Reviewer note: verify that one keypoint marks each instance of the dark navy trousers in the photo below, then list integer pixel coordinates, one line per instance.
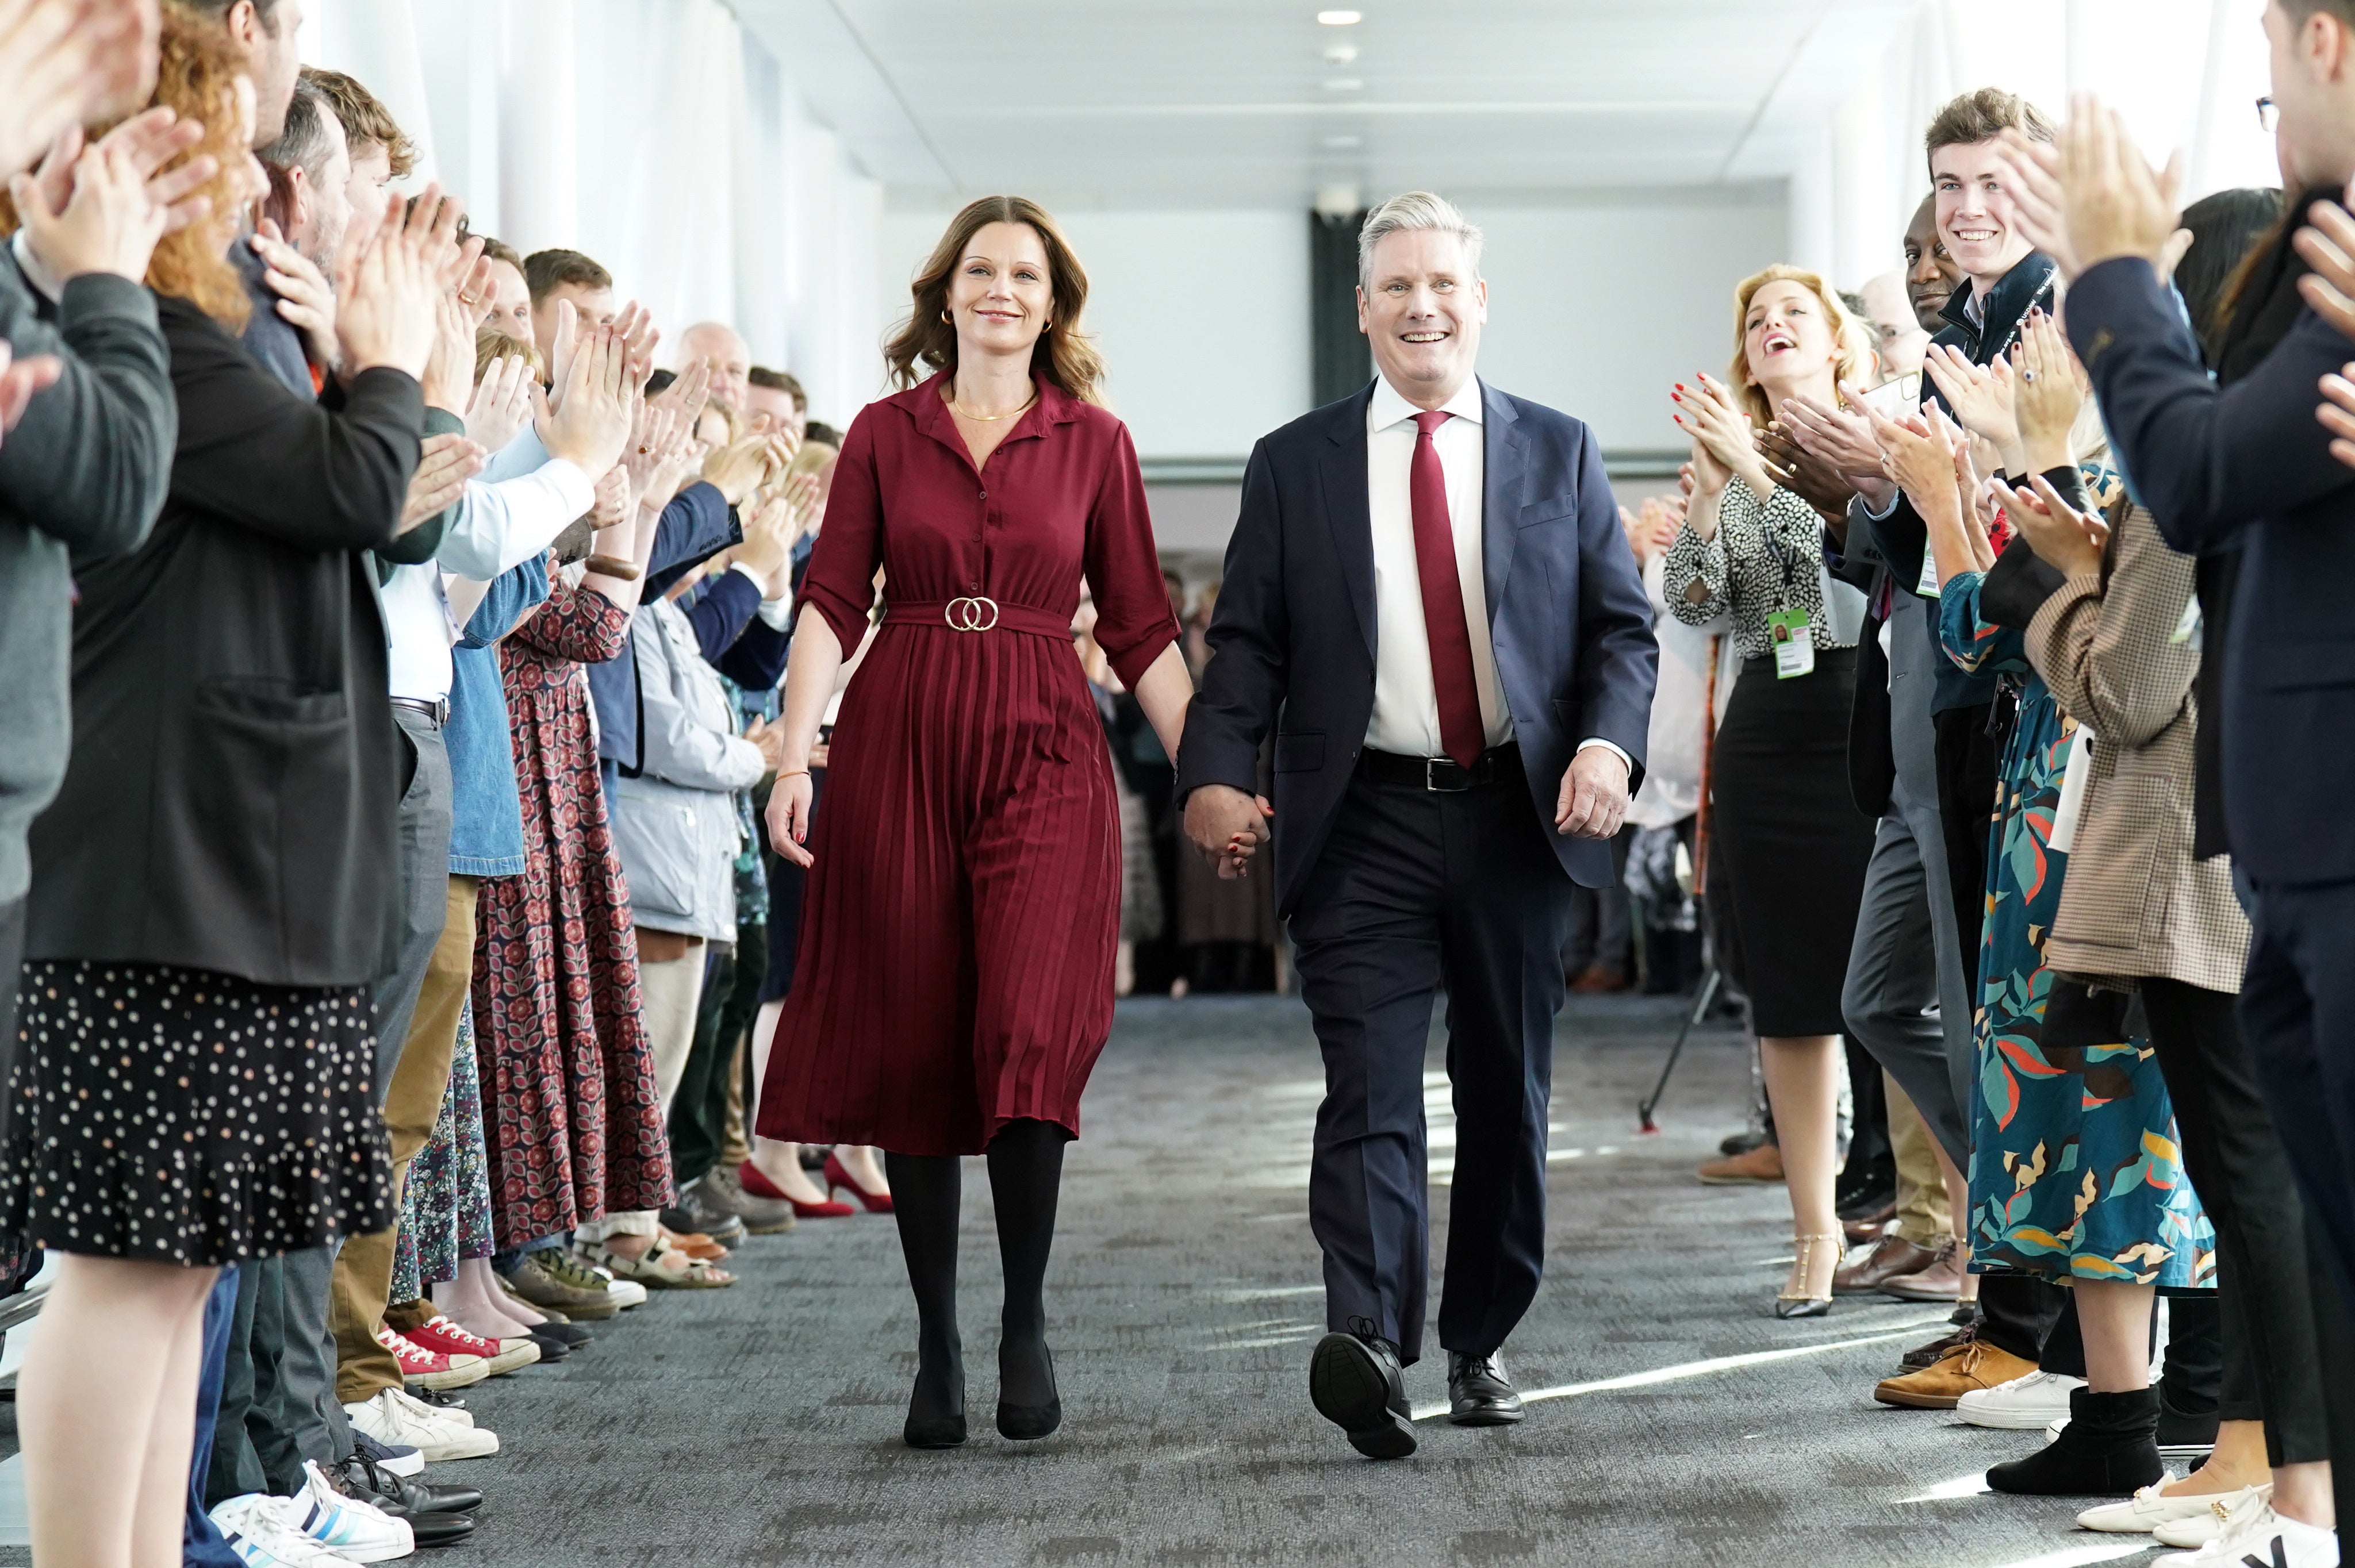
(1415, 892)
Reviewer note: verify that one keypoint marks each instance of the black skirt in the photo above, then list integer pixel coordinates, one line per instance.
(177, 1116)
(1795, 847)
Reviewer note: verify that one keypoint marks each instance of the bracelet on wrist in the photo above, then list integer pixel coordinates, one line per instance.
(613, 567)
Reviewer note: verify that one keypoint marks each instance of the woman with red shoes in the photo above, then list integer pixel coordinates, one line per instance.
(963, 906)
(873, 1193)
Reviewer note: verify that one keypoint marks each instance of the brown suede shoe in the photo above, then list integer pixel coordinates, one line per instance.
(1892, 1257)
(1940, 1279)
(1760, 1167)
(1939, 1387)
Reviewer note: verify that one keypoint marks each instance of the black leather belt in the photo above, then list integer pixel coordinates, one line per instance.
(1441, 774)
(438, 712)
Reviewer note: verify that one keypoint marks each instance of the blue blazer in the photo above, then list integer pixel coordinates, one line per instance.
(2247, 464)
(1291, 642)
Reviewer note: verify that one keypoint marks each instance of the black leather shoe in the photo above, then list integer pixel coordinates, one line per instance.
(1479, 1391)
(1358, 1384)
(551, 1349)
(373, 1483)
(1028, 1422)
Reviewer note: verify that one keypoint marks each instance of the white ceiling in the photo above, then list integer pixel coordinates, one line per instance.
(1232, 103)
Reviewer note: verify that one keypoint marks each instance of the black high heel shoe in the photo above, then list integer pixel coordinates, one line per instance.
(1026, 1423)
(931, 1427)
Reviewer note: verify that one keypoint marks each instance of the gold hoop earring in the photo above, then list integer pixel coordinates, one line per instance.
(944, 319)
(1048, 327)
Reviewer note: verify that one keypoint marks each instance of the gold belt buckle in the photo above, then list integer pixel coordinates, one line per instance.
(972, 613)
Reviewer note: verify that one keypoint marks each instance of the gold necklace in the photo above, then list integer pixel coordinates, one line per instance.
(990, 419)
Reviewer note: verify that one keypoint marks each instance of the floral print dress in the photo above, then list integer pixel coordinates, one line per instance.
(2075, 1170)
(445, 1208)
(572, 1127)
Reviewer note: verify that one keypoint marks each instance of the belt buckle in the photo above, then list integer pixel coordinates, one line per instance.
(1431, 784)
(972, 613)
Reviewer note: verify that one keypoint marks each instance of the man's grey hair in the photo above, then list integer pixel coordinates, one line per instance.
(305, 144)
(1415, 209)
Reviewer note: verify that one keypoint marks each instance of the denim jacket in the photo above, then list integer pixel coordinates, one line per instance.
(486, 813)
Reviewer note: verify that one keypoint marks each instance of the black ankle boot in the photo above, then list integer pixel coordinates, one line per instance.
(936, 1409)
(2108, 1450)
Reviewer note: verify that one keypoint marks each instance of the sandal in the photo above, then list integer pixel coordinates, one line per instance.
(1803, 1303)
(695, 1244)
(664, 1267)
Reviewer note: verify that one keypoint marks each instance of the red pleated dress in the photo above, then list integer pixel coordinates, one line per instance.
(959, 927)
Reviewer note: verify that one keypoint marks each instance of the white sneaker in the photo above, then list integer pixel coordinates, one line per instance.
(260, 1538)
(2262, 1537)
(345, 1525)
(425, 1410)
(2146, 1511)
(392, 1416)
(2023, 1404)
(2223, 1512)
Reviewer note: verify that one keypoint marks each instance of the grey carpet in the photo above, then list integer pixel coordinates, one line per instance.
(759, 1425)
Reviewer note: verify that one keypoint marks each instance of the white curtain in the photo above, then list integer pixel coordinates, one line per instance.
(657, 137)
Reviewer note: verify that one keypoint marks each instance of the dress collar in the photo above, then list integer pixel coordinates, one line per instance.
(1388, 408)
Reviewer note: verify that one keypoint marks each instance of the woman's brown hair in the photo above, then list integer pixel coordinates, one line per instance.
(1069, 361)
(198, 79)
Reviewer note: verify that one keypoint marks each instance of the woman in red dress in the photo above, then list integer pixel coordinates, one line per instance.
(956, 984)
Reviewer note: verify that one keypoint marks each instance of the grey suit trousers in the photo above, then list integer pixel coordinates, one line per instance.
(1906, 1000)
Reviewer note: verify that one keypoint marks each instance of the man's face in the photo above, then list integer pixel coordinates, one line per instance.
(730, 358)
(1931, 275)
(1421, 309)
(1966, 183)
(326, 202)
(368, 191)
(768, 411)
(594, 307)
(510, 303)
(2310, 61)
(269, 46)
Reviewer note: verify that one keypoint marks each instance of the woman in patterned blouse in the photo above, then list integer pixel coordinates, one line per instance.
(1796, 847)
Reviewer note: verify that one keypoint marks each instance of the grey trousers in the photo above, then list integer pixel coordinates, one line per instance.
(278, 1380)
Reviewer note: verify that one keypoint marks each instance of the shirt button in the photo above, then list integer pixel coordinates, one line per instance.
(985, 495)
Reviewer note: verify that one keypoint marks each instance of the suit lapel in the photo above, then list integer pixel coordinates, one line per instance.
(1503, 464)
(1347, 512)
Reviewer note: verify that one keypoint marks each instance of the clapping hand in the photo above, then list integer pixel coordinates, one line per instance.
(2327, 244)
(388, 314)
(306, 301)
(1982, 400)
(1919, 455)
(2337, 412)
(501, 405)
(767, 551)
(448, 461)
(739, 469)
(2064, 538)
(21, 380)
(2090, 196)
(590, 425)
(1810, 478)
(47, 48)
(1711, 415)
(2051, 389)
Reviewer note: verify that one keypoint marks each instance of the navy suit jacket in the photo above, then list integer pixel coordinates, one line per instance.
(1292, 644)
(2247, 464)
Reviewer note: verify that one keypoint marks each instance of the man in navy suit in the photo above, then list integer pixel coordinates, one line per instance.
(1430, 602)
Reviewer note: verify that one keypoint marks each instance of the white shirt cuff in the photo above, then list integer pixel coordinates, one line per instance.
(777, 614)
(1625, 760)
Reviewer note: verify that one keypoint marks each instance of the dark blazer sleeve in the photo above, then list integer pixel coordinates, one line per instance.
(1618, 660)
(91, 461)
(253, 453)
(696, 525)
(2207, 461)
(722, 611)
(1251, 646)
(418, 544)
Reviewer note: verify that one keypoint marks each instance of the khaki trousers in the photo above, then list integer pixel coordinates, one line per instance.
(1923, 1215)
(412, 1103)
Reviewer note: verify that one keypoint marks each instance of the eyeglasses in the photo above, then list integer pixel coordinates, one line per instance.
(2268, 114)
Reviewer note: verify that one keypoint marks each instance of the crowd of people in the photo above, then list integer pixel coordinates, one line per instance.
(423, 942)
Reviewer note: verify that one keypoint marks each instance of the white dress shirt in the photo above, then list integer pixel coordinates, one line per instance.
(1406, 697)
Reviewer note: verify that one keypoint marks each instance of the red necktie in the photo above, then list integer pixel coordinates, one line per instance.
(1461, 733)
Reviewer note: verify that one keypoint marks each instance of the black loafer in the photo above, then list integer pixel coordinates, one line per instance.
(1358, 1384)
(1479, 1391)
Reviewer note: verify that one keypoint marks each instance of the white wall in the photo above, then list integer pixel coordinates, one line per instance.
(1202, 317)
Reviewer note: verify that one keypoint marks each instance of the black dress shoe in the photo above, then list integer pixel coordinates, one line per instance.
(1479, 1391)
(1358, 1384)
(372, 1483)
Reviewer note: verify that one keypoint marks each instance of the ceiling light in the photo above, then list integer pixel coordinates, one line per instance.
(1343, 143)
(1341, 54)
(1340, 18)
(1343, 84)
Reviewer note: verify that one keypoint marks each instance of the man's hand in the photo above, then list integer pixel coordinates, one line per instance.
(738, 470)
(501, 405)
(449, 373)
(2337, 412)
(110, 225)
(2113, 203)
(2064, 538)
(1808, 476)
(306, 299)
(591, 425)
(1594, 795)
(1227, 827)
(387, 315)
(441, 478)
(19, 382)
(47, 51)
(2328, 245)
(767, 552)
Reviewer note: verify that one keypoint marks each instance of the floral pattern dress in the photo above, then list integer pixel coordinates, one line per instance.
(2075, 1169)
(572, 1127)
(445, 1208)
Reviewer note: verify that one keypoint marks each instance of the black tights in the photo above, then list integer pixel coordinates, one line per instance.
(1026, 1174)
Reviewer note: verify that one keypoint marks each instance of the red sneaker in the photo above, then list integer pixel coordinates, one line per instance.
(422, 1368)
(439, 1333)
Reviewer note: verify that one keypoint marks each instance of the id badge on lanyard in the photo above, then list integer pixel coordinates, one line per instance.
(1794, 636)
